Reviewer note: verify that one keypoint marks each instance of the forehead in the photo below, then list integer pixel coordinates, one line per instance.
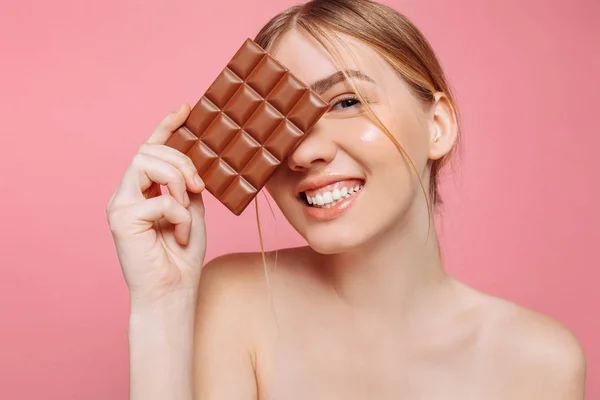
(306, 58)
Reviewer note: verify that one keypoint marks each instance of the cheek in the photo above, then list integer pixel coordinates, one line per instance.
(379, 150)
(390, 176)
(368, 144)
(370, 134)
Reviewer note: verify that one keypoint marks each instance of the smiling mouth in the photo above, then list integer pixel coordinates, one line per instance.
(331, 197)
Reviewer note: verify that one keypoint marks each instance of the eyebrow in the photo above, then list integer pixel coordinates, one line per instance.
(322, 85)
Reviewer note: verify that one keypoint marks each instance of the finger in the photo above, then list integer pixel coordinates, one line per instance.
(196, 209)
(196, 206)
(169, 124)
(179, 160)
(144, 171)
(167, 207)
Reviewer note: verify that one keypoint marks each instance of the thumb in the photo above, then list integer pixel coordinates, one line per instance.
(169, 124)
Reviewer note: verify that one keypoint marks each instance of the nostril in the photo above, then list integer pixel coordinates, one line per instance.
(296, 167)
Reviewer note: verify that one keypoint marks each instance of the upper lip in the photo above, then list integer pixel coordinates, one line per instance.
(320, 181)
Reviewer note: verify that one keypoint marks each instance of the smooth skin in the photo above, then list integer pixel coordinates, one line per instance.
(364, 311)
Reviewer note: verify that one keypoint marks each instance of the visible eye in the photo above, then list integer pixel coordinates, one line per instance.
(346, 103)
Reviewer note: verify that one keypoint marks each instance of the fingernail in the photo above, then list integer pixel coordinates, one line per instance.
(197, 180)
(177, 109)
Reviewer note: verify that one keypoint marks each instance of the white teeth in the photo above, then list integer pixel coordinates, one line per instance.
(329, 199)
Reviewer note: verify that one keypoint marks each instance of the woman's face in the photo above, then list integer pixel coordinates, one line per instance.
(361, 183)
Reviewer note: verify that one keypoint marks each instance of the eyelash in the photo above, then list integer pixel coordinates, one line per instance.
(346, 98)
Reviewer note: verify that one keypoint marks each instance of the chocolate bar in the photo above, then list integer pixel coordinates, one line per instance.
(247, 122)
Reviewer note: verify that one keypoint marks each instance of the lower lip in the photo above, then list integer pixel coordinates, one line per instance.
(327, 214)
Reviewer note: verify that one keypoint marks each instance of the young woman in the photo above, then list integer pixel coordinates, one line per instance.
(366, 310)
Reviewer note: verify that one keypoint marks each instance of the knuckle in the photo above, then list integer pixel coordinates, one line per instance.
(168, 201)
(179, 158)
(187, 170)
(114, 217)
(138, 160)
(112, 205)
(144, 148)
(109, 208)
(109, 203)
(180, 161)
(175, 177)
(187, 217)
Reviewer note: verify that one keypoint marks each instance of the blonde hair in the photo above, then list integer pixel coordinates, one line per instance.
(393, 36)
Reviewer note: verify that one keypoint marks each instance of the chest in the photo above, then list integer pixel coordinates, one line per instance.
(339, 368)
(318, 365)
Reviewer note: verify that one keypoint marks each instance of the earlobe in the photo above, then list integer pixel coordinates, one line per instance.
(444, 124)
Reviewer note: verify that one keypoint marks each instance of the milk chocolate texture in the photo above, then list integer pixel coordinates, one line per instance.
(246, 123)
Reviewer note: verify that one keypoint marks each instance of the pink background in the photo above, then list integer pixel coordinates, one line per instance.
(83, 83)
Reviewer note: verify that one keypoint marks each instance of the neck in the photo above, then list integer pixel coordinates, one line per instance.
(397, 273)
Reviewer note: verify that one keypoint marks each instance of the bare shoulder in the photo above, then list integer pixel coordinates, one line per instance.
(242, 281)
(538, 337)
(240, 272)
(232, 304)
(245, 270)
(230, 272)
(537, 350)
(233, 280)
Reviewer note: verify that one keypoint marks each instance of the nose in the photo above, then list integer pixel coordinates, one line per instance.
(315, 148)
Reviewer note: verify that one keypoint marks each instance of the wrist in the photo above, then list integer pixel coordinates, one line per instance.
(161, 338)
(173, 308)
(162, 300)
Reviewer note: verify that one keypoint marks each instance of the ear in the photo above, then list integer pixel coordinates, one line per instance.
(444, 127)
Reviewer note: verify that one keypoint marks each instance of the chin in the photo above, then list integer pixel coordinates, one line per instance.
(335, 240)
(330, 247)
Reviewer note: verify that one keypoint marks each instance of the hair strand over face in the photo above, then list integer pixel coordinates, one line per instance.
(389, 33)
